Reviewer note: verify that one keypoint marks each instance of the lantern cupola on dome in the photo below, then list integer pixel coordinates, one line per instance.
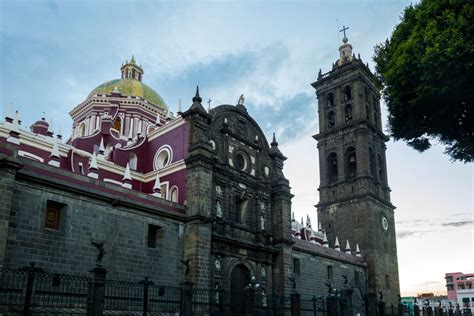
(130, 70)
(130, 84)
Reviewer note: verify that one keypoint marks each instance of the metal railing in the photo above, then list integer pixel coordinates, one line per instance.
(30, 289)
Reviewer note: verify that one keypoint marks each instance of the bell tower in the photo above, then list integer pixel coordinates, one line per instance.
(354, 193)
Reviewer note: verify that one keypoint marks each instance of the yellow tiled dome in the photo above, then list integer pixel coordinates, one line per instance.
(131, 87)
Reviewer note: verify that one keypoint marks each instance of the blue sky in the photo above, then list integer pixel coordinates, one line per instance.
(53, 53)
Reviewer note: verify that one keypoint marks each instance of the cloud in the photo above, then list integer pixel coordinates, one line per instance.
(259, 75)
(406, 234)
(458, 224)
(418, 227)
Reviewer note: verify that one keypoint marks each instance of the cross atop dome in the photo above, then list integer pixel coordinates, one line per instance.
(130, 70)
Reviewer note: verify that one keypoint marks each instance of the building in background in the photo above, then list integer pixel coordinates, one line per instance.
(456, 281)
(460, 289)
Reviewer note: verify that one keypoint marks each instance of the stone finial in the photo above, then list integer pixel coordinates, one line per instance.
(297, 229)
(14, 134)
(50, 131)
(93, 163)
(197, 98)
(157, 186)
(127, 174)
(302, 222)
(325, 241)
(9, 113)
(274, 143)
(93, 167)
(17, 120)
(101, 147)
(358, 254)
(348, 247)
(292, 216)
(55, 150)
(179, 107)
(59, 134)
(241, 100)
(127, 177)
(308, 221)
(54, 156)
(336, 244)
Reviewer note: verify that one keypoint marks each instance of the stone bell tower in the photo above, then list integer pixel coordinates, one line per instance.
(354, 193)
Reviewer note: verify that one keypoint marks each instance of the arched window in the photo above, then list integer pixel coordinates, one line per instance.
(133, 161)
(174, 194)
(351, 163)
(81, 130)
(163, 157)
(330, 100)
(118, 124)
(368, 110)
(332, 167)
(347, 93)
(375, 108)
(381, 165)
(348, 112)
(372, 162)
(331, 119)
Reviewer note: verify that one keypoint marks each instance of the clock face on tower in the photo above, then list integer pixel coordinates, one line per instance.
(384, 223)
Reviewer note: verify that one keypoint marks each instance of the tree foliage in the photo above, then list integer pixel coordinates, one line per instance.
(426, 68)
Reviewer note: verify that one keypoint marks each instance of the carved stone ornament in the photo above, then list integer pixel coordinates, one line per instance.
(217, 264)
(218, 209)
(218, 190)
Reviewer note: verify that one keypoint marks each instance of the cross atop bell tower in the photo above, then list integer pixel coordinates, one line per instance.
(344, 28)
(354, 194)
(345, 50)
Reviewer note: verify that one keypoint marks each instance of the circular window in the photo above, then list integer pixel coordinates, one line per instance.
(384, 223)
(163, 157)
(240, 161)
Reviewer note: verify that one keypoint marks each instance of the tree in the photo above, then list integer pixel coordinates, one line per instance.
(426, 68)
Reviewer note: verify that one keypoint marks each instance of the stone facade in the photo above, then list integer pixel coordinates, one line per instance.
(354, 194)
(214, 209)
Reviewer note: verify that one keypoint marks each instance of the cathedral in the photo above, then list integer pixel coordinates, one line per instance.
(201, 196)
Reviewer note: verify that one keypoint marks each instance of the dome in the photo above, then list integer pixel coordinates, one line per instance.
(131, 87)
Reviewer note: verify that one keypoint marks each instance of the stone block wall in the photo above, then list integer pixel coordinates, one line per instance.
(85, 218)
(313, 275)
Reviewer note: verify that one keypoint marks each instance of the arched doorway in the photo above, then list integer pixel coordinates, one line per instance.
(239, 279)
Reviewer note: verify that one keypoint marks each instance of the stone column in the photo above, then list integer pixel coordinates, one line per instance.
(199, 181)
(96, 295)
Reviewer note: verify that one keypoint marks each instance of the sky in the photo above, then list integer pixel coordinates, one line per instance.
(53, 53)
